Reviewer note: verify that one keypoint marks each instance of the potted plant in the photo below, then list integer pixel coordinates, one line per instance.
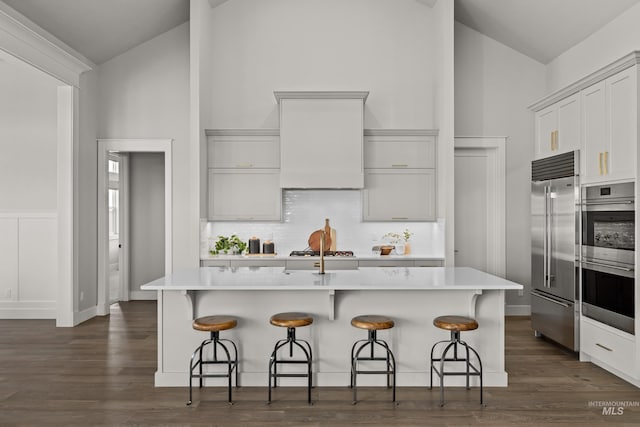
(400, 241)
(228, 245)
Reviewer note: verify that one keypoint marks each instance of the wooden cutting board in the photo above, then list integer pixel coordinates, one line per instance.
(332, 233)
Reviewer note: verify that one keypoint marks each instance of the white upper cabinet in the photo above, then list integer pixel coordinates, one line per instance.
(321, 136)
(243, 175)
(610, 133)
(400, 175)
(243, 149)
(558, 127)
(399, 151)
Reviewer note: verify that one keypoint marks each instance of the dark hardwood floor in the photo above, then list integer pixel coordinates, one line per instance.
(101, 373)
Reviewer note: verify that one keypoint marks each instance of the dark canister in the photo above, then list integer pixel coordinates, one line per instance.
(268, 247)
(254, 245)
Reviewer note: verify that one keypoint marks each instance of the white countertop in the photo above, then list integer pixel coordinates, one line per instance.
(357, 256)
(364, 278)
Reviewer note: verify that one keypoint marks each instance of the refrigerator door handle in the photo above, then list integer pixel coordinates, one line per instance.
(548, 235)
(545, 255)
(555, 301)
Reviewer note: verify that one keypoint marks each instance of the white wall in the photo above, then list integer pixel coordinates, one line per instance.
(493, 86)
(618, 38)
(146, 220)
(382, 46)
(144, 93)
(28, 102)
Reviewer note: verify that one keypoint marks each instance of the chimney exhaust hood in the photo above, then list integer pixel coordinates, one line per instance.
(321, 139)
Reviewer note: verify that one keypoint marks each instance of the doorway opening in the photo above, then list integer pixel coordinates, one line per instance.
(480, 204)
(134, 218)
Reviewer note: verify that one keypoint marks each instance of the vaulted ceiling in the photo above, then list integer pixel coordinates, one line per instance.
(103, 29)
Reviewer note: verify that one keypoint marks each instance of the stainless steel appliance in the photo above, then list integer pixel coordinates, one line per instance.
(555, 231)
(608, 254)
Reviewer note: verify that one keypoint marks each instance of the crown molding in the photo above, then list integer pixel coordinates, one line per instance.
(615, 67)
(320, 95)
(21, 38)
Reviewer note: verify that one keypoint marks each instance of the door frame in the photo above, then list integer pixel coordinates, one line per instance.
(496, 245)
(129, 146)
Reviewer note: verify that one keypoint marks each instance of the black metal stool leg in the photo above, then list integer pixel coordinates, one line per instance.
(273, 361)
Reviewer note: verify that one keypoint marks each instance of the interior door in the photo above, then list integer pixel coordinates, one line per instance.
(479, 202)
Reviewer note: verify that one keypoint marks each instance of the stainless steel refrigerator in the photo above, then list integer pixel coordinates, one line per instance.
(555, 222)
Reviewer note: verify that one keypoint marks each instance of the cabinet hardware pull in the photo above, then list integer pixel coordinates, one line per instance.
(615, 267)
(399, 217)
(602, 346)
(399, 166)
(600, 164)
(606, 160)
(555, 139)
(244, 165)
(551, 141)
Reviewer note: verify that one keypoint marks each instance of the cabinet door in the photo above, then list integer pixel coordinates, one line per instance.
(399, 152)
(237, 151)
(546, 125)
(568, 131)
(594, 132)
(399, 195)
(244, 195)
(622, 109)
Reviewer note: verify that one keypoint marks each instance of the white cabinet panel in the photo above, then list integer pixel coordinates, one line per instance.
(609, 123)
(38, 259)
(622, 101)
(244, 195)
(594, 131)
(9, 256)
(321, 143)
(610, 347)
(399, 152)
(242, 151)
(558, 127)
(399, 195)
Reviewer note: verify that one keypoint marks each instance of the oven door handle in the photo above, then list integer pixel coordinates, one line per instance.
(615, 267)
(607, 202)
(539, 295)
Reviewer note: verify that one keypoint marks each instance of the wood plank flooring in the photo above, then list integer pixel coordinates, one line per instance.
(101, 373)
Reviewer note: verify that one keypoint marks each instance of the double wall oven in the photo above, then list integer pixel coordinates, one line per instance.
(608, 254)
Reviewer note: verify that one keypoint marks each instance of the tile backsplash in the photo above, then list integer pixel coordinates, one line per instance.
(304, 211)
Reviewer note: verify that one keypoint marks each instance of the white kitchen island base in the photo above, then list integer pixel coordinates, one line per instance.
(413, 297)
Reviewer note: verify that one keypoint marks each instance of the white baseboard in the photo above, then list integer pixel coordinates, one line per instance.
(143, 295)
(517, 310)
(28, 310)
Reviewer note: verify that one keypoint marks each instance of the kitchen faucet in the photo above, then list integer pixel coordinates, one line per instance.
(321, 263)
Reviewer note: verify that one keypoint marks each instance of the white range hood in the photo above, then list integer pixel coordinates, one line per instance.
(321, 139)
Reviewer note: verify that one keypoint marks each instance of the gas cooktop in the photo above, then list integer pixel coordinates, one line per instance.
(317, 253)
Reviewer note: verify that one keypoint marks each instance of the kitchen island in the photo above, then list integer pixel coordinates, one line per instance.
(412, 296)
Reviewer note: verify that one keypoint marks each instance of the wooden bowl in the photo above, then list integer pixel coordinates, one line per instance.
(386, 250)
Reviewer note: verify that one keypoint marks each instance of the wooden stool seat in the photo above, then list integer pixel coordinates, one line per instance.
(291, 320)
(214, 323)
(372, 322)
(455, 323)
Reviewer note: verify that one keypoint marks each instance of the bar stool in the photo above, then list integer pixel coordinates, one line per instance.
(372, 323)
(291, 321)
(455, 324)
(213, 324)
